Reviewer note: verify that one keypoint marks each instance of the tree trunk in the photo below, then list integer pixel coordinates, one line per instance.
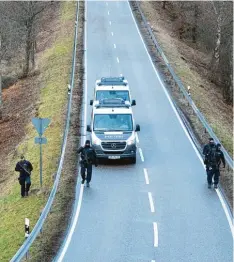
(27, 50)
(164, 5)
(194, 29)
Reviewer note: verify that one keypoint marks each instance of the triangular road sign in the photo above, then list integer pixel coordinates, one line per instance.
(41, 124)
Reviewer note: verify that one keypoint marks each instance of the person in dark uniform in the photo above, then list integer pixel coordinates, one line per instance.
(206, 150)
(88, 158)
(214, 159)
(24, 167)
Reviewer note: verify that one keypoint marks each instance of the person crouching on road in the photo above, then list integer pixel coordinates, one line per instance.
(214, 160)
(206, 151)
(25, 168)
(88, 158)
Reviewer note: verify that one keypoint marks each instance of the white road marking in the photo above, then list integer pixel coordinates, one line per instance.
(226, 210)
(114, 45)
(151, 202)
(146, 176)
(117, 59)
(152, 260)
(155, 234)
(76, 217)
(68, 240)
(141, 155)
(110, 22)
(137, 138)
(121, 74)
(106, 3)
(112, 33)
(108, 13)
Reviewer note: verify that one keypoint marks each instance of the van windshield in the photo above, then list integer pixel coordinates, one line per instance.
(113, 122)
(109, 94)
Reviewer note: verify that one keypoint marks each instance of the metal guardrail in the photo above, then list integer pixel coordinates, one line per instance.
(22, 252)
(202, 119)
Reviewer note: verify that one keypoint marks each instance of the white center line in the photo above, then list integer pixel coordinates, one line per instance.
(110, 22)
(151, 202)
(152, 260)
(117, 60)
(106, 3)
(146, 176)
(114, 45)
(108, 13)
(137, 138)
(141, 155)
(155, 234)
(112, 33)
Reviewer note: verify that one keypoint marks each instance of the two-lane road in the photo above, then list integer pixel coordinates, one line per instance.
(159, 209)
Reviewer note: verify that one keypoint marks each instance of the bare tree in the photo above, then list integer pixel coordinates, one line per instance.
(24, 15)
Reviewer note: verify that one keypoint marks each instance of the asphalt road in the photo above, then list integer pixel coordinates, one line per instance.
(159, 209)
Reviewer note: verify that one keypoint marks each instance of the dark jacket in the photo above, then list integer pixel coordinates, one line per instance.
(24, 167)
(82, 150)
(206, 151)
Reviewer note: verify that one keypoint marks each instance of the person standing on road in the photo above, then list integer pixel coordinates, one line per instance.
(214, 159)
(206, 151)
(24, 167)
(88, 158)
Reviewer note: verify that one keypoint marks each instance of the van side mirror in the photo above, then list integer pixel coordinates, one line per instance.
(138, 128)
(91, 102)
(88, 128)
(133, 102)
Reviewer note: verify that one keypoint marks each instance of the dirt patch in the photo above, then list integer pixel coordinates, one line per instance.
(185, 60)
(47, 245)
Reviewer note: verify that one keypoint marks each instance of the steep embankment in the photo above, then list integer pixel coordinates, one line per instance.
(41, 95)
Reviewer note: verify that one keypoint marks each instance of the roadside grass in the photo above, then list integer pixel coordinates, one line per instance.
(54, 64)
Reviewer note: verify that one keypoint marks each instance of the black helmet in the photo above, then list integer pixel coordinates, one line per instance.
(211, 140)
(87, 143)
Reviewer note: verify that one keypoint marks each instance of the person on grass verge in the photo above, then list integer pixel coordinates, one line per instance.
(88, 158)
(24, 167)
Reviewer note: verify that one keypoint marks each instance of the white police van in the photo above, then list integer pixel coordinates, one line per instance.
(112, 87)
(113, 130)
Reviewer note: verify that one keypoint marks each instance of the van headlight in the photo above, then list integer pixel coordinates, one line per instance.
(131, 142)
(96, 141)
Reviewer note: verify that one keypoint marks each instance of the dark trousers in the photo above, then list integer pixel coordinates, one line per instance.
(213, 172)
(25, 184)
(89, 169)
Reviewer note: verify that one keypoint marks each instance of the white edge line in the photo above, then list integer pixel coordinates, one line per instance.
(146, 176)
(186, 132)
(155, 234)
(117, 59)
(141, 155)
(114, 45)
(137, 138)
(108, 13)
(69, 237)
(151, 202)
(110, 22)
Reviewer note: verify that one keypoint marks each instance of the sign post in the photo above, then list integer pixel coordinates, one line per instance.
(40, 124)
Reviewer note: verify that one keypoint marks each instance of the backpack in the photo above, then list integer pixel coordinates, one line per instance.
(211, 158)
(88, 155)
